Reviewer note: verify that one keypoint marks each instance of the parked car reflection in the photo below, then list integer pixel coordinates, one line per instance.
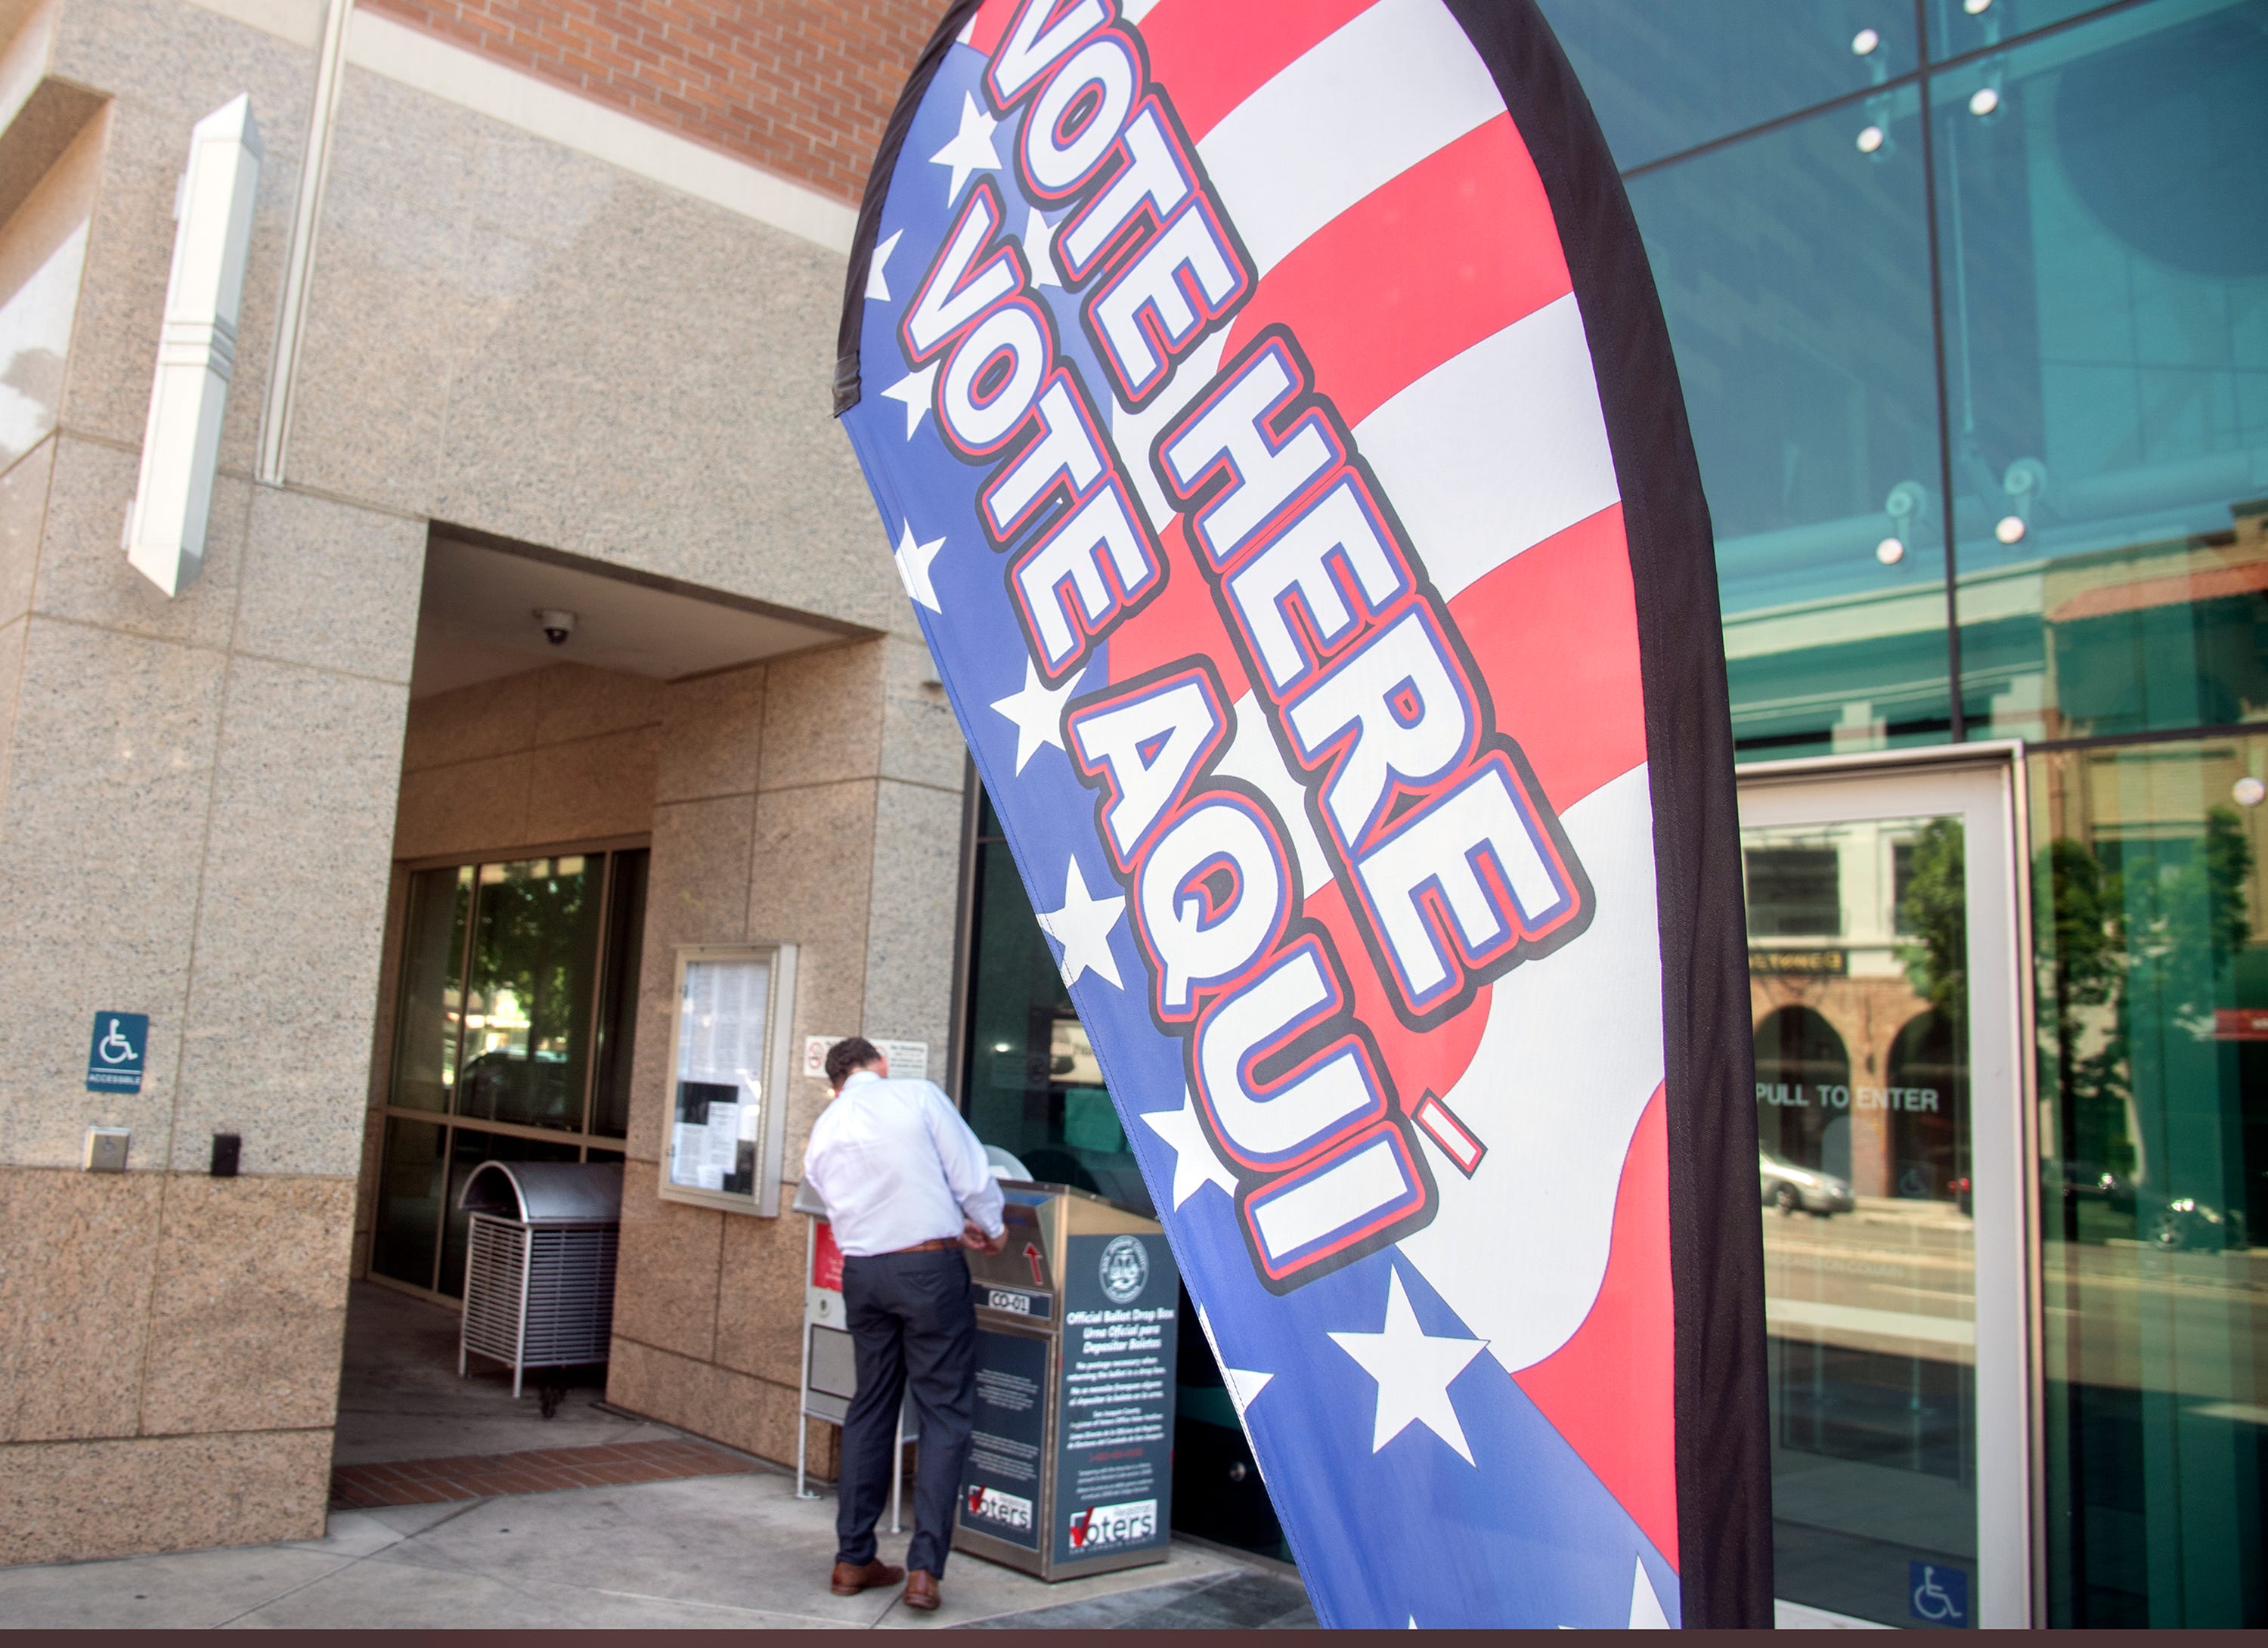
(506, 1084)
(1790, 1187)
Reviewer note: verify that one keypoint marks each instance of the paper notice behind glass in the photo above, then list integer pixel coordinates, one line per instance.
(720, 1047)
(721, 1031)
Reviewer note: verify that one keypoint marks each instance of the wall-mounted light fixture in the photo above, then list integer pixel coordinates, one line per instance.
(196, 349)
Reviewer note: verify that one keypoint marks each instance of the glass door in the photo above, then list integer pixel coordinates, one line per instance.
(513, 1019)
(1884, 927)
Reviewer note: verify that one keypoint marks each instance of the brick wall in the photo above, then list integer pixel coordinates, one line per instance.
(799, 87)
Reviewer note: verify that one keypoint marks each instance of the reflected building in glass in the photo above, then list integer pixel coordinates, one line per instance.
(1970, 299)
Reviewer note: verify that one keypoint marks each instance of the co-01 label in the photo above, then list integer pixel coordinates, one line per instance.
(1015, 1301)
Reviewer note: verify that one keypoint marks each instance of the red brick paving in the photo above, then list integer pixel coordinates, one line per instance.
(537, 1470)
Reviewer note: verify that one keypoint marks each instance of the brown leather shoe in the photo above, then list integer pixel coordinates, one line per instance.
(921, 1591)
(850, 1579)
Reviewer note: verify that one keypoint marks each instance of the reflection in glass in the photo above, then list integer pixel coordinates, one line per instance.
(515, 1049)
(1863, 1121)
(2104, 228)
(2150, 914)
(1957, 28)
(1662, 78)
(427, 1012)
(1033, 1087)
(529, 1016)
(610, 1087)
(408, 1222)
(1793, 268)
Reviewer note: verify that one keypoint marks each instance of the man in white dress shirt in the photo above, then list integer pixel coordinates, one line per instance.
(906, 1187)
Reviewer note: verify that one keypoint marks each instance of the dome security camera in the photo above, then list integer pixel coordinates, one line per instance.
(557, 624)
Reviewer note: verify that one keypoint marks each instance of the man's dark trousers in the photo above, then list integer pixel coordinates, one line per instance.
(911, 1325)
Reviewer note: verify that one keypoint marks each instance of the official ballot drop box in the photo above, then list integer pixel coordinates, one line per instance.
(1071, 1469)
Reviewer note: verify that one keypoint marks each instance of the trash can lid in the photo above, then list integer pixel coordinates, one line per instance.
(545, 1193)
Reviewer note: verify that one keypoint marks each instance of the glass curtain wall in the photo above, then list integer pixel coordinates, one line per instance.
(512, 1025)
(2151, 941)
(1970, 299)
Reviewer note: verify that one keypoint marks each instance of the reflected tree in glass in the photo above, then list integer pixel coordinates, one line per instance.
(534, 956)
(428, 1012)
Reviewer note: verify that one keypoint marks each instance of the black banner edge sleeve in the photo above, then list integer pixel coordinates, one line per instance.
(1724, 1465)
(878, 188)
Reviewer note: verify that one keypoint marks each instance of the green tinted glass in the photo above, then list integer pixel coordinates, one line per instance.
(528, 1022)
(2102, 221)
(1793, 270)
(2151, 939)
(428, 1012)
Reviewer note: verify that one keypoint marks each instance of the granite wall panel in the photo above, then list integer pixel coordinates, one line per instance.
(249, 1306)
(76, 1267)
(77, 1501)
(669, 1268)
(23, 514)
(167, 66)
(290, 920)
(104, 824)
(490, 313)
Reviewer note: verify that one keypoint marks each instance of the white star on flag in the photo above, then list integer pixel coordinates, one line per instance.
(1413, 1371)
(1244, 1385)
(1082, 927)
(971, 149)
(913, 561)
(914, 390)
(877, 290)
(1036, 709)
(1195, 1164)
(1039, 249)
(1646, 1607)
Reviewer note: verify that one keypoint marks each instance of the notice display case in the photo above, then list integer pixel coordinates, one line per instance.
(729, 1074)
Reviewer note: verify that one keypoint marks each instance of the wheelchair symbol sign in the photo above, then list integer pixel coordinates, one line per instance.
(115, 1052)
(1936, 1594)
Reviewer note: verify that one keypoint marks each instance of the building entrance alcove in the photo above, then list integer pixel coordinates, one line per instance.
(548, 696)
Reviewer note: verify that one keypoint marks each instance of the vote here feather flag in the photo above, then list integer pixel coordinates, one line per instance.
(1271, 412)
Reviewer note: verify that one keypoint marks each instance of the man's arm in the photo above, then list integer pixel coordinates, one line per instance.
(967, 1173)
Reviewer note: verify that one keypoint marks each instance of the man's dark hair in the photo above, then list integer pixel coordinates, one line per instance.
(849, 1053)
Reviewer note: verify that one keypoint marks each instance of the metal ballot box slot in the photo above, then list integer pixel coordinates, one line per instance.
(1071, 1469)
(830, 1366)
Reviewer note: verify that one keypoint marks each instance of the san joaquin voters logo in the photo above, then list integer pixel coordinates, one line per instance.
(1124, 1271)
(1101, 1527)
(989, 1505)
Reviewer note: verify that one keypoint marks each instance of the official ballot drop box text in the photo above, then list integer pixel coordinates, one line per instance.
(1071, 1469)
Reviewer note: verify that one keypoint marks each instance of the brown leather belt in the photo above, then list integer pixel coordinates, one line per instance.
(935, 1246)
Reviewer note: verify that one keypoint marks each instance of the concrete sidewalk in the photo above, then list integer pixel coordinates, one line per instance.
(702, 1551)
(712, 1552)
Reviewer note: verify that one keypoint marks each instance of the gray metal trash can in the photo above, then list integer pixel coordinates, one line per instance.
(539, 1268)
